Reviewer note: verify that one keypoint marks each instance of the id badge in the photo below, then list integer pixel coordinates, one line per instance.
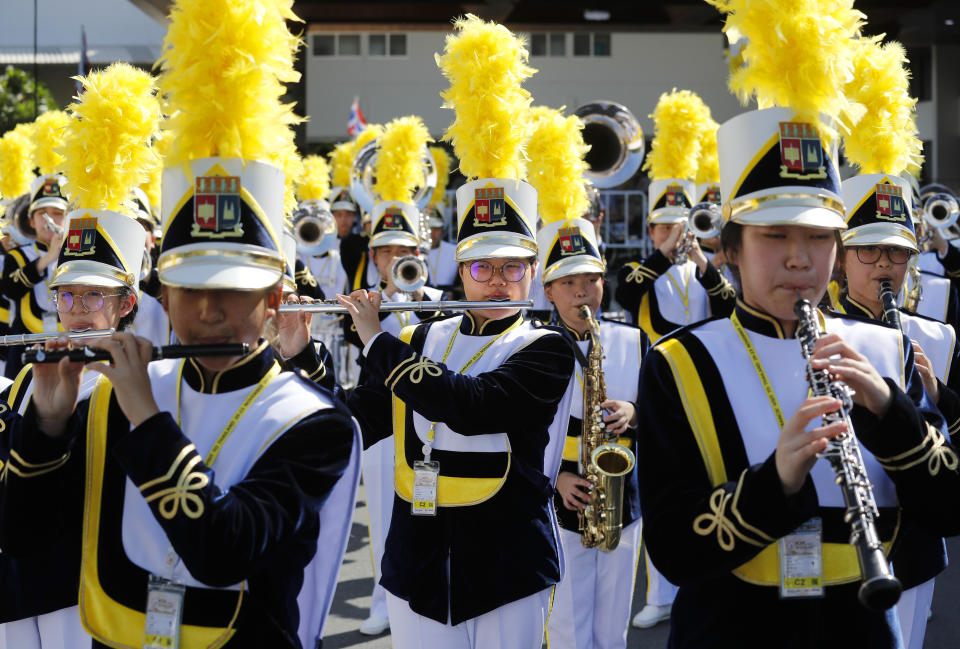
(425, 478)
(164, 612)
(801, 561)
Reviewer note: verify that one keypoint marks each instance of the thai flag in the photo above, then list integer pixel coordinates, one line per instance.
(356, 124)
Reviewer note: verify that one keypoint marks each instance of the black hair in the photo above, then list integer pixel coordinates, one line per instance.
(128, 319)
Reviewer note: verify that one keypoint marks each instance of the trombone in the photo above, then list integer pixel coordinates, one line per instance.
(332, 306)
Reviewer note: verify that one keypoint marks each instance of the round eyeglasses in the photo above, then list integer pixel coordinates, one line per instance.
(91, 300)
(512, 271)
(872, 254)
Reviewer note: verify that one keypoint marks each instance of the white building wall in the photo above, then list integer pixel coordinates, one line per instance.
(642, 66)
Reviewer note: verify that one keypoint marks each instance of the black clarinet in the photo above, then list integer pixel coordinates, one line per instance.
(880, 589)
(92, 355)
(891, 314)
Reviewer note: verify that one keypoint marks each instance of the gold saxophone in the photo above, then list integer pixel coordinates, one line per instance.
(605, 463)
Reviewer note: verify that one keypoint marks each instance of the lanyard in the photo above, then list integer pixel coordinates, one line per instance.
(235, 419)
(758, 367)
(685, 291)
(172, 560)
(428, 446)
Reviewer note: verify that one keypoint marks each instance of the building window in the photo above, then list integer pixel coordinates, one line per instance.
(348, 45)
(377, 45)
(558, 44)
(921, 69)
(601, 44)
(323, 45)
(398, 44)
(581, 44)
(538, 45)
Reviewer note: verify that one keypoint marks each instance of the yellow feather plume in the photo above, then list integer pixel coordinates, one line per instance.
(914, 167)
(708, 165)
(225, 63)
(678, 120)
(106, 146)
(443, 162)
(556, 166)
(399, 165)
(798, 55)
(340, 160)
(884, 140)
(486, 65)
(151, 187)
(47, 138)
(316, 178)
(16, 151)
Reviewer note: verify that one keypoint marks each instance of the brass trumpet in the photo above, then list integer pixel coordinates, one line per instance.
(409, 273)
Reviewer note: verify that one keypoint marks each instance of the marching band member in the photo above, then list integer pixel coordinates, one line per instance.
(223, 473)
(942, 257)
(726, 501)
(26, 269)
(395, 235)
(878, 246)
(591, 604)
(666, 291)
(476, 402)
(876, 249)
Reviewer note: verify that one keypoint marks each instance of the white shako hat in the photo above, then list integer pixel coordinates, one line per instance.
(395, 223)
(568, 247)
(709, 193)
(495, 218)
(878, 211)
(670, 200)
(341, 199)
(101, 248)
(222, 225)
(775, 170)
(47, 191)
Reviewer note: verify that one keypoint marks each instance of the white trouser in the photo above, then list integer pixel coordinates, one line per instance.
(912, 610)
(377, 464)
(57, 630)
(591, 607)
(517, 625)
(660, 592)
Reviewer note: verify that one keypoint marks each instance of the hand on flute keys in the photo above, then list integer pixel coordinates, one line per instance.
(364, 308)
(55, 389)
(128, 374)
(293, 329)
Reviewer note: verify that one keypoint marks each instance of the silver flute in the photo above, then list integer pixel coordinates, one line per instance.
(30, 339)
(332, 306)
(880, 589)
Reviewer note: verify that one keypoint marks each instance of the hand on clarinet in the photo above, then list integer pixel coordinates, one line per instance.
(55, 390)
(853, 368)
(364, 308)
(797, 448)
(927, 375)
(128, 374)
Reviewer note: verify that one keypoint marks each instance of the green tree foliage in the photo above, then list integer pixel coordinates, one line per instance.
(16, 98)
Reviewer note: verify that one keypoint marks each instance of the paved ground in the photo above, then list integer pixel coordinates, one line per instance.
(353, 600)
